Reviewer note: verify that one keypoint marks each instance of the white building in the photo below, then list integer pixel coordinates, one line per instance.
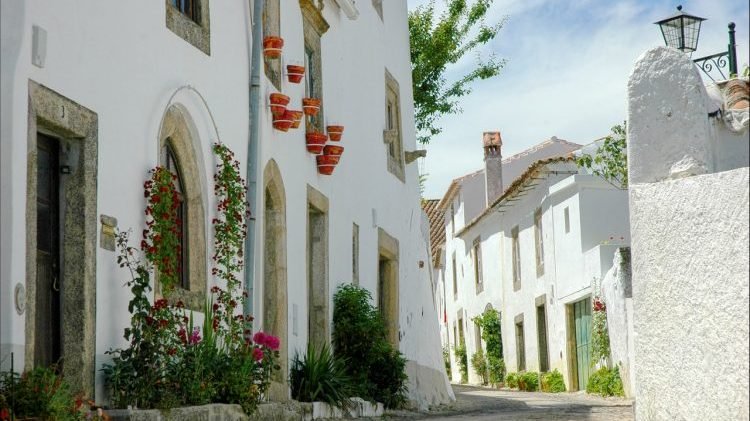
(84, 85)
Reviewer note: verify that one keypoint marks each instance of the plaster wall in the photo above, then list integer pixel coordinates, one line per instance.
(355, 57)
(617, 291)
(689, 225)
(126, 74)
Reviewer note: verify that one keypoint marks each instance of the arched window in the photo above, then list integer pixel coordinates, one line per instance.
(178, 152)
(171, 163)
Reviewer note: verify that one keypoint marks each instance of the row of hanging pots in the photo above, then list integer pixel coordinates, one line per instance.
(328, 156)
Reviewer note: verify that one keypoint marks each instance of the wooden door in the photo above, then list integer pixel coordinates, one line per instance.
(47, 348)
(541, 328)
(582, 318)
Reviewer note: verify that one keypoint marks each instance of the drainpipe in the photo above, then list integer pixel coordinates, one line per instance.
(253, 159)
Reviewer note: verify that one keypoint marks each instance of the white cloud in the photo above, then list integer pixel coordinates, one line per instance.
(567, 71)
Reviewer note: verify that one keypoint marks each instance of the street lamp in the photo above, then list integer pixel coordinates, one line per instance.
(681, 31)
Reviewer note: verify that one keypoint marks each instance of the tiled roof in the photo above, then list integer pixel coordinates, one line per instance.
(437, 227)
(516, 187)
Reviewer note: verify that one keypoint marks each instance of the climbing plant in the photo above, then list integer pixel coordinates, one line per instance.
(599, 332)
(489, 323)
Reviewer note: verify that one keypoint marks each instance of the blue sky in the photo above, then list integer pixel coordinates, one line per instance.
(566, 74)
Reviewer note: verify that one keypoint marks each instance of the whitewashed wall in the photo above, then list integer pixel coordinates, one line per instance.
(689, 222)
(355, 56)
(123, 63)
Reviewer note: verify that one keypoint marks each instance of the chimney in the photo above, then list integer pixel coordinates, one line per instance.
(493, 165)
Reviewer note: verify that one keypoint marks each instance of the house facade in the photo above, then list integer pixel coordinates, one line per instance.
(533, 254)
(91, 102)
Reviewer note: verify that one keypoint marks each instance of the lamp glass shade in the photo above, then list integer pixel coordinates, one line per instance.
(681, 31)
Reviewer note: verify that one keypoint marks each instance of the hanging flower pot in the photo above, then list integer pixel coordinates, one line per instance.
(295, 73)
(333, 150)
(272, 47)
(315, 142)
(278, 104)
(283, 122)
(326, 164)
(296, 117)
(334, 132)
(311, 106)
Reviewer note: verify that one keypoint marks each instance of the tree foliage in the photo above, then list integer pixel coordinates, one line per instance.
(489, 323)
(440, 41)
(610, 160)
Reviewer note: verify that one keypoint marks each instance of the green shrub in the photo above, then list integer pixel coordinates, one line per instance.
(480, 365)
(553, 382)
(319, 376)
(39, 393)
(605, 382)
(489, 322)
(496, 368)
(447, 360)
(511, 380)
(463, 364)
(528, 381)
(359, 335)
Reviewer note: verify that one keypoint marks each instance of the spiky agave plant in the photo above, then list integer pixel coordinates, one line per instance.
(318, 376)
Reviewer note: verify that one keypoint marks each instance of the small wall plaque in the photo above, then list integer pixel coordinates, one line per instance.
(107, 235)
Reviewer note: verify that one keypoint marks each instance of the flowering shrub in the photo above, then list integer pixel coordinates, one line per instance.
(599, 331)
(169, 361)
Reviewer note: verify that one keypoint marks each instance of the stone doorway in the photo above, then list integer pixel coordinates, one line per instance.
(275, 313)
(71, 131)
(388, 285)
(317, 268)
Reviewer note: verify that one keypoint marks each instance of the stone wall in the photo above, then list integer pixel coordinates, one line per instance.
(618, 295)
(689, 226)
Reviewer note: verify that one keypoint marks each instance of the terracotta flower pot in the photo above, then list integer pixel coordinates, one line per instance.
(272, 47)
(295, 73)
(296, 118)
(283, 122)
(311, 106)
(278, 104)
(333, 150)
(315, 142)
(334, 132)
(326, 164)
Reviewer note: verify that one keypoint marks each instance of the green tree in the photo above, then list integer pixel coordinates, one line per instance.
(440, 41)
(611, 159)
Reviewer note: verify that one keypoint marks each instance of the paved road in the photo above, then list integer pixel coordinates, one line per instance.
(475, 403)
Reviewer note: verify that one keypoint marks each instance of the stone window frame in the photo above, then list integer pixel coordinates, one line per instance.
(516, 258)
(477, 255)
(272, 27)
(77, 128)
(196, 33)
(455, 276)
(566, 218)
(318, 204)
(355, 253)
(518, 323)
(539, 242)
(314, 26)
(178, 130)
(392, 134)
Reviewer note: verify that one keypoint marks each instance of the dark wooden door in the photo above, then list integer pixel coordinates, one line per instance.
(541, 327)
(47, 348)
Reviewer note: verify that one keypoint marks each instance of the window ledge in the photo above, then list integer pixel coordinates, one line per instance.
(199, 35)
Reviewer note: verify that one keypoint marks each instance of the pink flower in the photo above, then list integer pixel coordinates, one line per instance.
(259, 338)
(257, 354)
(195, 337)
(273, 342)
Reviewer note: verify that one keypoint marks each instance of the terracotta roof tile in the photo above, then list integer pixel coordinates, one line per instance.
(437, 227)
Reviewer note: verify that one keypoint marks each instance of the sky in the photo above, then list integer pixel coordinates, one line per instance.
(566, 74)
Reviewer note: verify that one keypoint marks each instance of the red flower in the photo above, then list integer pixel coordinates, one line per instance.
(259, 338)
(4, 414)
(257, 354)
(273, 342)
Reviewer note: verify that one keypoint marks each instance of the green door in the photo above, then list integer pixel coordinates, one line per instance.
(582, 317)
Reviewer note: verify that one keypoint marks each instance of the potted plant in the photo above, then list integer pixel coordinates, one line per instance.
(284, 121)
(278, 104)
(311, 106)
(296, 118)
(326, 163)
(272, 47)
(295, 73)
(334, 132)
(315, 142)
(333, 150)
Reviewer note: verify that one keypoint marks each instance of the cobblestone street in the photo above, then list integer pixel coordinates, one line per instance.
(475, 403)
